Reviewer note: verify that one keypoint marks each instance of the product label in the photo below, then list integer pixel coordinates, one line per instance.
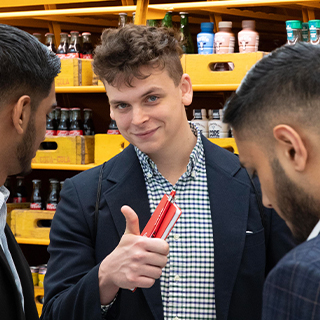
(35, 206)
(113, 131)
(62, 133)
(51, 206)
(313, 34)
(215, 127)
(51, 132)
(62, 55)
(75, 133)
(73, 55)
(205, 44)
(290, 36)
(19, 199)
(87, 56)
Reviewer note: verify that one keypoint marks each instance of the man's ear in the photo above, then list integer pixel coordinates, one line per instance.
(186, 89)
(291, 146)
(21, 113)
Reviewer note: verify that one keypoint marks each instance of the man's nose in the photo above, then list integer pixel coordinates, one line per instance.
(139, 116)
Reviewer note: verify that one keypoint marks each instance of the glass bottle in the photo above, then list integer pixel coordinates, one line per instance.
(186, 38)
(87, 48)
(76, 126)
(305, 32)
(113, 129)
(37, 35)
(314, 27)
(63, 127)
(53, 197)
(88, 127)
(49, 42)
(74, 49)
(20, 194)
(152, 23)
(57, 116)
(51, 127)
(167, 20)
(294, 31)
(36, 199)
(200, 122)
(122, 20)
(63, 46)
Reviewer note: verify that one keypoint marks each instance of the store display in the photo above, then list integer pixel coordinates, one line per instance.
(186, 37)
(205, 39)
(248, 38)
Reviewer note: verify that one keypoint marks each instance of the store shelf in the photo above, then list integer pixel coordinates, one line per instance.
(44, 242)
(73, 167)
(81, 89)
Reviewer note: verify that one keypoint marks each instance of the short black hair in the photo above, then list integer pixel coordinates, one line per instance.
(283, 86)
(27, 67)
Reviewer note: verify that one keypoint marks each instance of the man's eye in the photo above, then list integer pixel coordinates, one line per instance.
(121, 106)
(152, 98)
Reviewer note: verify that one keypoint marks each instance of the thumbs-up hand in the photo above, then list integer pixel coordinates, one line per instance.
(136, 262)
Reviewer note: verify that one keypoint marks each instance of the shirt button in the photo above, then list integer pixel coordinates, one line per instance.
(149, 175)
(176, 278)
(193, 174)
(176, 237)
(176, 318)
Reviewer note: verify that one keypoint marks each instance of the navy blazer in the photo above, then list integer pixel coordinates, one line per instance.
(292, 289)
(241, 259)
(10, 301)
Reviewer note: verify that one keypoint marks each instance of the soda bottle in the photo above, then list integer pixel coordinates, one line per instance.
(37, 35)
(53, 195)
(49, 42)
(8, 185)
(200, 122)
(186, 38)
(63, 128)
(167, 20)
(51, 128)
(294, 31)
(87, 48)
(88, 127)
(74, 49)
(63, 46)
(20, 194)
(314, 26)
(122, 20)
(57, 116)
(113, 129)
(36, 200)
(76, 126)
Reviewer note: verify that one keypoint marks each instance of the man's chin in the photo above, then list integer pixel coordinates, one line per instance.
(25, 171)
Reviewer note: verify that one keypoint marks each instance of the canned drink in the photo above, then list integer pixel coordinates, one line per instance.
(35, 275)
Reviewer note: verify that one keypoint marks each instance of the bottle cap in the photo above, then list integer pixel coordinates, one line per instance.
(207, 26)
(216, 114)
(225, 24)
(314, 24)
(293, 24)
(122, 14)
(248, 24)
(49, 34)
(86, 33)
(183, 12)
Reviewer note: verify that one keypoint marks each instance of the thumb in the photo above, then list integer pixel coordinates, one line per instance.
(132, 221)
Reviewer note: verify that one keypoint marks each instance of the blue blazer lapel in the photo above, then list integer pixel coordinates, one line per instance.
(126, 186)
(229, 201)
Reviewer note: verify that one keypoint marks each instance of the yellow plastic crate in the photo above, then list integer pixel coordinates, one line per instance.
(38, 294)
(226, 143)
(107, 146)
(31, 224)
(66, 150)
(200, 69)
(75, 72)
(14, 206)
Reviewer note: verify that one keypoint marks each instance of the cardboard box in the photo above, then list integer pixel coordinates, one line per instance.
(66, 150)
(75, 72)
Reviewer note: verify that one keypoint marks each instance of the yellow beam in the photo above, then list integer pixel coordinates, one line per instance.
(127, 2)
(311, 14)
(305, 15)
(141, 12)
(54, 27)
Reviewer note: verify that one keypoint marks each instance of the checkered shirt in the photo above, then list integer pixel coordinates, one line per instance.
(187, 281)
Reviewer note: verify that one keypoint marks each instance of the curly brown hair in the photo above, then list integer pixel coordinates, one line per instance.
(122, 53)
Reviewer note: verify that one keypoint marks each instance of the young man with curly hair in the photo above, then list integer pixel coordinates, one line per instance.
(214, 262)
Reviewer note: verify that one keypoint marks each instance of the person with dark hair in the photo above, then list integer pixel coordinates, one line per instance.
(27, 95)
(275, 119)
(219, 249)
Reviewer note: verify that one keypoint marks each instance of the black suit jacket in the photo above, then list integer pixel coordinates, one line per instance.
(241, 259)
(10, 301)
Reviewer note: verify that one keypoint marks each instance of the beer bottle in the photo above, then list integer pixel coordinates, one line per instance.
(36, 199)
(37, 35)
(88, 127)
(53, 195)
(8, 185)
(87, 48)
(167, 20)
(74, 49)
(186, 38)
(113, 129)
(76, 127)
(152, 23)
(50, 42)
(20, 194)
(63, 46)
(51, 128)
(63, 128)
(122, 20)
